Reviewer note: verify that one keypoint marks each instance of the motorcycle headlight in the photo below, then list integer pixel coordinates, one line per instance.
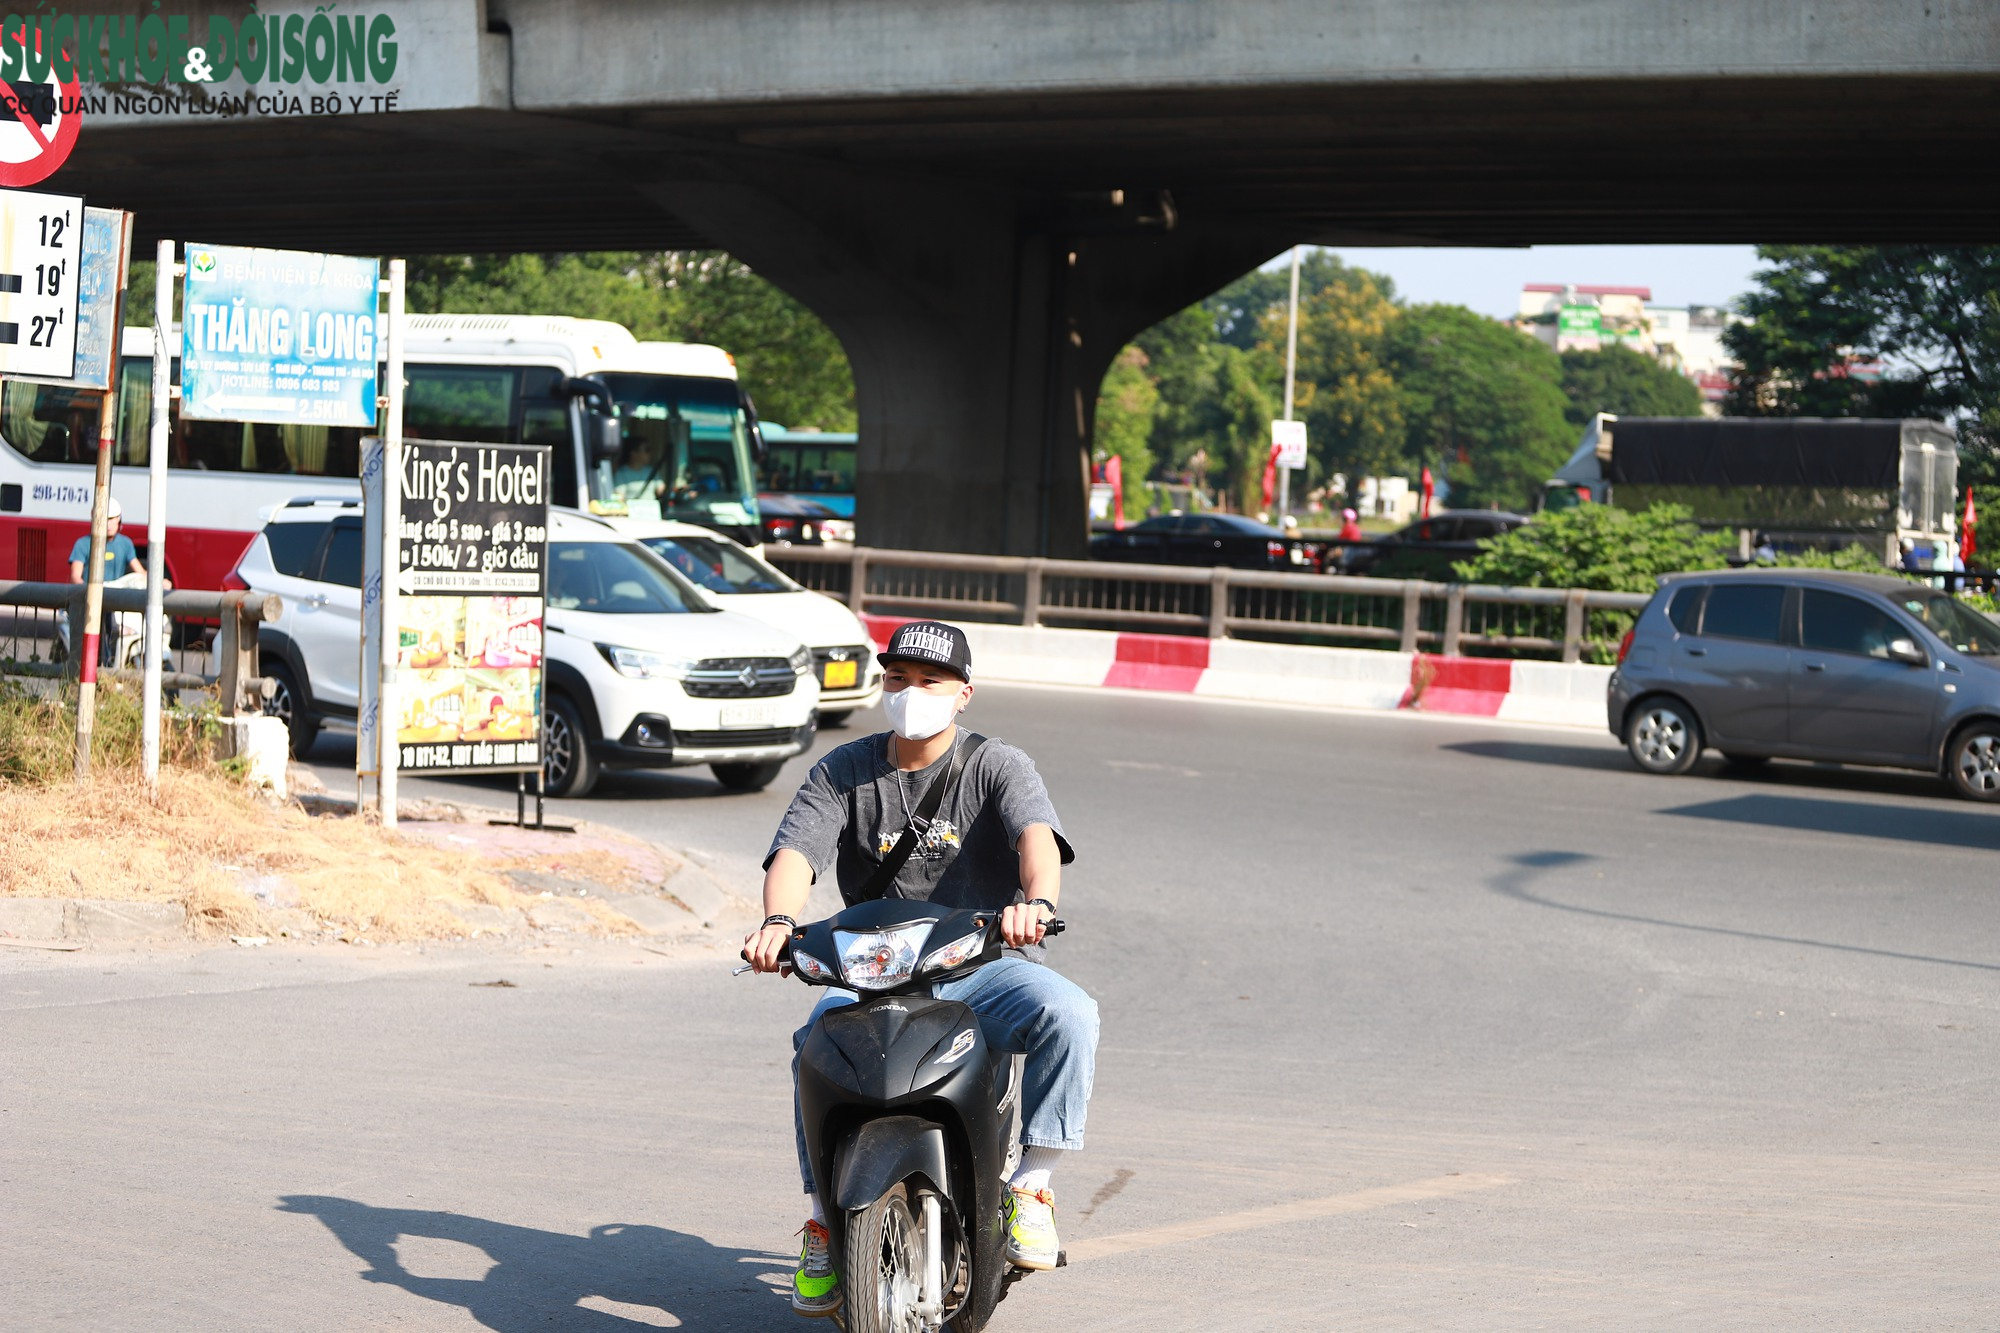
(879, 959)
(642, 665)
(807, 965)
(951, 955)
(802, 660)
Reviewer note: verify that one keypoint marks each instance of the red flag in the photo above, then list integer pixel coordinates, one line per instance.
(1270, 476)
(1968, 535)
(1114, 477)
(1425, 511)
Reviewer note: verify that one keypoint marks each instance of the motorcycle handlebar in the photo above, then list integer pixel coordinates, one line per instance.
(1055, 926)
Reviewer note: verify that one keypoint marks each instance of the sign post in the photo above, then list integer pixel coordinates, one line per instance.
(1291, 374)
(388, 698)
(156, 516)
(104, 271)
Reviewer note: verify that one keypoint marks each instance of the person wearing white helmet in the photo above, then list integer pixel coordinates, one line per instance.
(120, 556)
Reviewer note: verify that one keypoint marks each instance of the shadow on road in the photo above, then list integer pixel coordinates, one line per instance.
(555, 1283)
(1527, 865)
(1537, 752)
(1962, 827)
(1779, 773)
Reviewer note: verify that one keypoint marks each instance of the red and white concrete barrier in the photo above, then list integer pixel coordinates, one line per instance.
(1544, 692)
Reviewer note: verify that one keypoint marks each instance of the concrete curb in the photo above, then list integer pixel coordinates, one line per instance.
(1545, 693)
(91, 920)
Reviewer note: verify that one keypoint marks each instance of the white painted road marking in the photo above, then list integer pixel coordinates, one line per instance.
(1279, 1214)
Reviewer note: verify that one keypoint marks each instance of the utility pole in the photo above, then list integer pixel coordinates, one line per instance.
(1291, 373)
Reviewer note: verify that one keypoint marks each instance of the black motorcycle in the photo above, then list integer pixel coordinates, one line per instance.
(912, 1116)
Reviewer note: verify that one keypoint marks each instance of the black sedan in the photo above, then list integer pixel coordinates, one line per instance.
(1205, 539)
(1427, 548)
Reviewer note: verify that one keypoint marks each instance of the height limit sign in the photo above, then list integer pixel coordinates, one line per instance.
(41, 244)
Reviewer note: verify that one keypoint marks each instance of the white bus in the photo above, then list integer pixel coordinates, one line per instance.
(683, 444)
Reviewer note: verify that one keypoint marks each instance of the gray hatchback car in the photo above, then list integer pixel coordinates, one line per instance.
(1811, 664)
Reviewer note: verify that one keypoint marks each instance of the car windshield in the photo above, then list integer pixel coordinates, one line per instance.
(613, 578)
(718, 566)
(1957, 624)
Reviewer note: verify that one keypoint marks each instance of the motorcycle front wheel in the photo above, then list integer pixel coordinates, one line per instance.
(884, 1274)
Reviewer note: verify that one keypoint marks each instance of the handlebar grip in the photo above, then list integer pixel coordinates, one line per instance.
(1056, 926)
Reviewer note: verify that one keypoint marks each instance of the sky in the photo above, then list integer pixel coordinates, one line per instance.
(1490, 281)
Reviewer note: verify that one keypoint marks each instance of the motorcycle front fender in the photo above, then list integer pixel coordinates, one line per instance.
(884, 1153)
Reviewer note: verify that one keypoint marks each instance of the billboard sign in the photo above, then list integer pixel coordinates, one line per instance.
(1579, 328)
(286, 336)
(471, 576)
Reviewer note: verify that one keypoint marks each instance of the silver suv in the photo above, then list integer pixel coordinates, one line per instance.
(1811, 664)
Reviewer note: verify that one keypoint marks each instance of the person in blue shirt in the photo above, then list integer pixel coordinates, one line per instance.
(120, 556)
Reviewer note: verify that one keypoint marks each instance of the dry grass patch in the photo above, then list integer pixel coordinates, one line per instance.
(207, 835)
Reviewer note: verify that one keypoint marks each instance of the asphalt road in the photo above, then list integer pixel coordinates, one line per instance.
(1408, 1024)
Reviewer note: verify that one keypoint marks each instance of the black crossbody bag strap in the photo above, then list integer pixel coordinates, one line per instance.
(892, 864)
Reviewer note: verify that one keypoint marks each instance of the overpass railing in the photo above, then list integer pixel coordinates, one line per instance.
(1569, 624)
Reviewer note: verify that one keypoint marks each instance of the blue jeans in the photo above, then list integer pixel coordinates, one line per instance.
(1052, 1020)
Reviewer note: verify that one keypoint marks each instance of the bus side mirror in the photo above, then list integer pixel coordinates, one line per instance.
(605, 439)
(756, 426)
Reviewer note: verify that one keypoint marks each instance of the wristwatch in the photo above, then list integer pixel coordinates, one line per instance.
(1044, 902)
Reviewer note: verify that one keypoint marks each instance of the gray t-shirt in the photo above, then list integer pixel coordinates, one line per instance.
(855, 804)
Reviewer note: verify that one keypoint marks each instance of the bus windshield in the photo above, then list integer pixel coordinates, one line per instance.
(684, 451)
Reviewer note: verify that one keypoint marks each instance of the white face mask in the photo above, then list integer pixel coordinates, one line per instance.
(918, 715)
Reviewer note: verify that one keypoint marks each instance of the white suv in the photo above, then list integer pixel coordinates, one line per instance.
(641, 670)
(736, 580)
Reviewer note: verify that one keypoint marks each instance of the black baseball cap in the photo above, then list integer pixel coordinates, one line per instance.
(931, 642)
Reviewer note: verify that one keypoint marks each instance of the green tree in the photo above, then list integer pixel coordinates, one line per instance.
(611, 285)
(1216, 401)
(1628, 383)
(1238, 312)
(1345, 393)
(789, 361)
(1182, 358)
(1126, 405)
(1930, 317)
(1483, 404)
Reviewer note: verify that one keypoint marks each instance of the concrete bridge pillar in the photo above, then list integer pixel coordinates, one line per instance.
(979, 322)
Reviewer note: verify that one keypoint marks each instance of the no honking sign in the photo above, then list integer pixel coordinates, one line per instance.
(39, 118)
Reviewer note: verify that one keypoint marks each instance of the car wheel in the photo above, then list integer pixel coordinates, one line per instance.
(838, 719)
(568, 767)
(1974, 764)
(747, 777)
(288, 704)
(1662, 736)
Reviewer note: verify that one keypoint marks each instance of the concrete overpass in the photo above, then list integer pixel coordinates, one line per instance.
(986, 199)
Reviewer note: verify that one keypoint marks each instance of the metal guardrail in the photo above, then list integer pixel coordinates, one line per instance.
(32, 646)
(1409, 614)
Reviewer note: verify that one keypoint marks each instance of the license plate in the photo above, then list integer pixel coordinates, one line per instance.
(749, 715)
(841, 675)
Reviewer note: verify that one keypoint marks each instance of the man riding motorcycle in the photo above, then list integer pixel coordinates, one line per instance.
(995, 843)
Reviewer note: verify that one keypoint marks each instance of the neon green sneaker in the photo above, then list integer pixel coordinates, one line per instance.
(1030, 1218)
(815, 1287)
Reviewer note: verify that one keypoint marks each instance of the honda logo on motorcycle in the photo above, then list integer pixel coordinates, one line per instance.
(959, 1046)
